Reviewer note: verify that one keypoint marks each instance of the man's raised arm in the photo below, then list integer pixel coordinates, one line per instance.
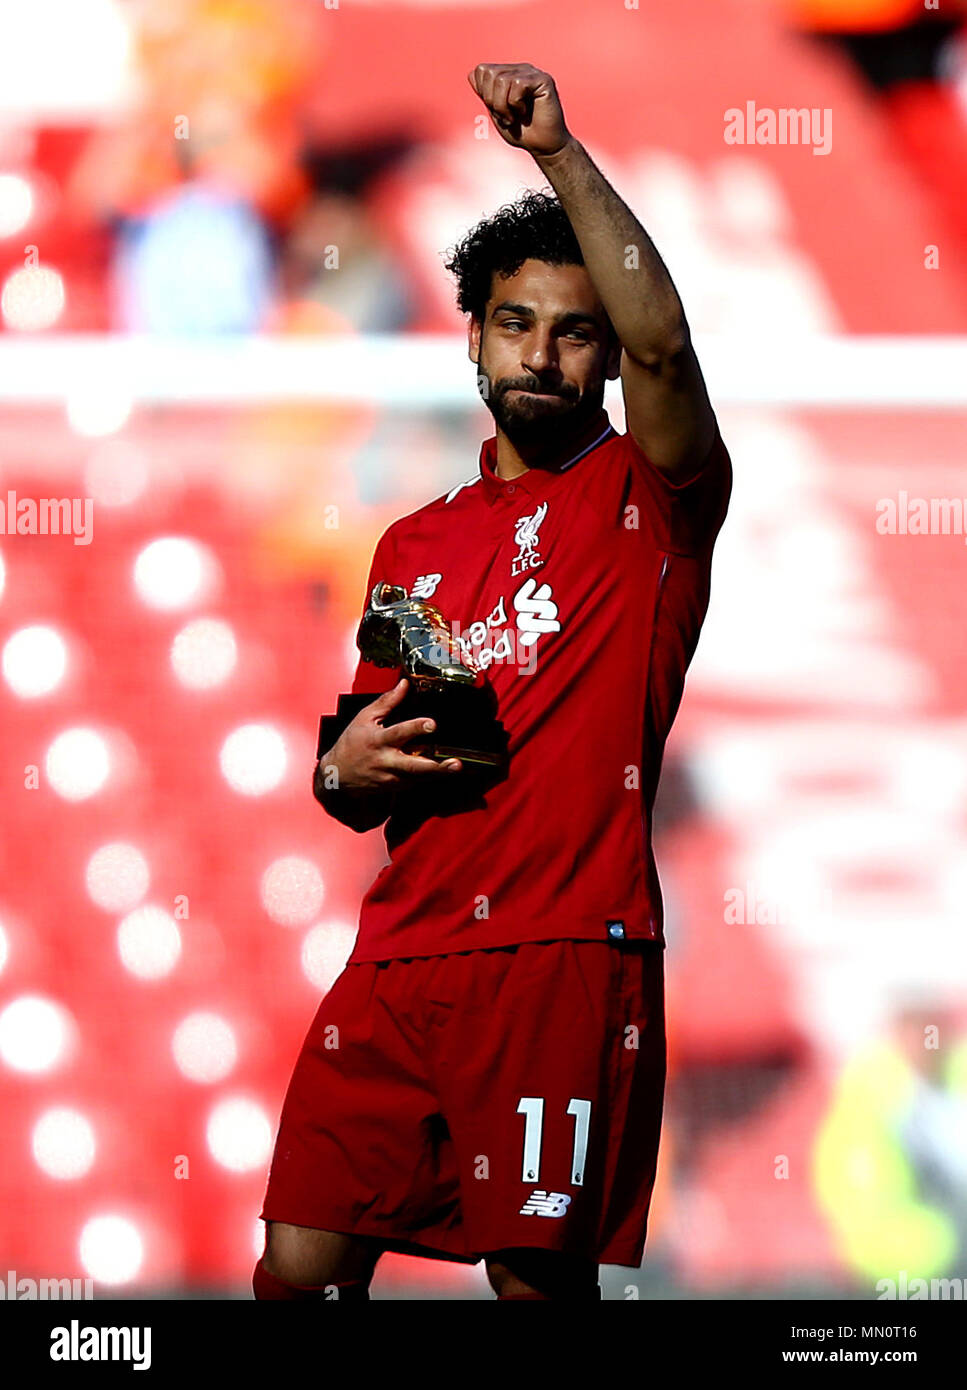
(666, 404)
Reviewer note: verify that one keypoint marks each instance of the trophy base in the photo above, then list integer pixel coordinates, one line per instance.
(466, 727)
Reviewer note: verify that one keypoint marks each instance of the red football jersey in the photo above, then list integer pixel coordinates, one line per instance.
(581, 590)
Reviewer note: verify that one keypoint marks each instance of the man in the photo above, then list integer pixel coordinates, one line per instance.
(485, 1079)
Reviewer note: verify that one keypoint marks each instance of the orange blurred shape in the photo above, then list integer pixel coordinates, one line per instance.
(855, 16)
(248, 51)
(222, 83)
(308, 316)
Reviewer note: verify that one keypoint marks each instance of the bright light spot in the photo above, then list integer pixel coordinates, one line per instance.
(100, 410)
(4, 948)
(32, 298)
(16, 203)
(292, 891)
(116, 473)
(77, 764)
(253, 759)
(63, 1144)
(149, 942)
(34, 661)
(239, 1135)
(117, 877)
(325, 950)
(258, 1238)
(111, 1249)
(204, 1048)
(204, 653)
(33, 1034)
(66, 62)
(172, 572)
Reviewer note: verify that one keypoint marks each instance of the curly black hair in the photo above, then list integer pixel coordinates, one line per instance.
(535, 227)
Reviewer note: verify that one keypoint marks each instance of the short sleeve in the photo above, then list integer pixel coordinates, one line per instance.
(370, 679)
(686, 515)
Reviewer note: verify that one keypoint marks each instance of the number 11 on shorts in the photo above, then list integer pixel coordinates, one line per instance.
(532, 1108)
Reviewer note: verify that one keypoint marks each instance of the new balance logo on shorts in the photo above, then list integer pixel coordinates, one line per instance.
(541, 1203)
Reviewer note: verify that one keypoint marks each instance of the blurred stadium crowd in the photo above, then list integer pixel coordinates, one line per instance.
(172, 902)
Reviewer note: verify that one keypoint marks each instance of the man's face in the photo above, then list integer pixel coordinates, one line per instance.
(544, 352)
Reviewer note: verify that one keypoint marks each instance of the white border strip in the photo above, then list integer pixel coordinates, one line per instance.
(427, 370)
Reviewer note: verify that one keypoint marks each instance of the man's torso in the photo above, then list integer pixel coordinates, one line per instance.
(581, 592)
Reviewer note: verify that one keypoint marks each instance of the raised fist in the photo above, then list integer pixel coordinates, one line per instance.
(523, 104)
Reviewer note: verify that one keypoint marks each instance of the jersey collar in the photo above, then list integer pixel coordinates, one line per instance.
(536, 482)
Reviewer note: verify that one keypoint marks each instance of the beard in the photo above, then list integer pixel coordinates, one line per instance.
(531, 422)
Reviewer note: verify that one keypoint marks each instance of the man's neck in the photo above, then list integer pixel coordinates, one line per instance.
(512, 460)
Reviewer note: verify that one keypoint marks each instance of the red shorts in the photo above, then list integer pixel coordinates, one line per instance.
(456, 1105)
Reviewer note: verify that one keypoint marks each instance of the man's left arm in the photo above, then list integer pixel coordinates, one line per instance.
(668, 411)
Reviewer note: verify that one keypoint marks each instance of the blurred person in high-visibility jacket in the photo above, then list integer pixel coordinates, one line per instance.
(890, 1161)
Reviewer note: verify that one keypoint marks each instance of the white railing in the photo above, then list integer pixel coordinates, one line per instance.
(434, 371)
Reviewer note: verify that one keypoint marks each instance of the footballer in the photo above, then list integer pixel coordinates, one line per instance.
(484, 1081)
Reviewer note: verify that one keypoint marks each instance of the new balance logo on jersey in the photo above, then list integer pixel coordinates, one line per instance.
(424, 585)
(525, 536)
(541, 1203)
